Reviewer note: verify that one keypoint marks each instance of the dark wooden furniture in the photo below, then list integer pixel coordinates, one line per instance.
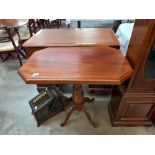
(9, 43)
(77, 65)
(47, 104)
(33, 27)
(48, 23)
(71, 37)
(133, 102)
(56, 23)
(28, 30)
(43, 23)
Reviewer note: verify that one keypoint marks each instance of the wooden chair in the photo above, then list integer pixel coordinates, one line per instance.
(27, 31)
(56, 23)
(43, 23)
(33, 27)
(9, 42)
(48, 23)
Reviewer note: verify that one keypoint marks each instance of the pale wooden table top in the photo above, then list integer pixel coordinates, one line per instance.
(73, 37)
(76, 65)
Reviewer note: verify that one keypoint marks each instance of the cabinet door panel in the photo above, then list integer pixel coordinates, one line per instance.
(137, 110)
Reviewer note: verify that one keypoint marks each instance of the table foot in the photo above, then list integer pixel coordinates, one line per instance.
(68, 116)
(69, 99)
(89, 118)
(78, 108)
(79, 100)
(89, 100)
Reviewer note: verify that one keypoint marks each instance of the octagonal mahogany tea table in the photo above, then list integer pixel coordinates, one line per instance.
(77, 66)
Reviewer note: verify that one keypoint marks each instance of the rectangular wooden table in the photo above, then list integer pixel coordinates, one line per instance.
(77, 66)
(71, 38)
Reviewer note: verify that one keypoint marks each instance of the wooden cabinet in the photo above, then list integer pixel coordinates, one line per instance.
(133, 103)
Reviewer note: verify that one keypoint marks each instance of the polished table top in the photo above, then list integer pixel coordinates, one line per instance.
(13, 22)
(73, 37)
(76, 65)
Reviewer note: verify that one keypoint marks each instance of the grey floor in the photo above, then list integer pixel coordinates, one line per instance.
(16, 118)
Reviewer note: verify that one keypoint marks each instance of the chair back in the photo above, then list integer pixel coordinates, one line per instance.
(32, 25)
(7, 35)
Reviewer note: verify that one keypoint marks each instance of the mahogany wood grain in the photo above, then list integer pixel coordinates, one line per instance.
(141, 29)
(72, 37)
(29, 51)
(9, 23)
(77, 65)
(133, 103)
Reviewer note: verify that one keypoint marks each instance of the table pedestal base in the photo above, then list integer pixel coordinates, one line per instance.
(79, 100)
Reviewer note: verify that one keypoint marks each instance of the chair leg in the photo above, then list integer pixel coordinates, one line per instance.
(24, 50)
(52, 24)
(24, 56)
(57, 23)
(20, 51)
(48, 24)
(1, 57)
(7, 57)
(18, 56)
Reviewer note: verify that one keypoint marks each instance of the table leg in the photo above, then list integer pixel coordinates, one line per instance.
(79, 100)
(1, 57)
(89, 117)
